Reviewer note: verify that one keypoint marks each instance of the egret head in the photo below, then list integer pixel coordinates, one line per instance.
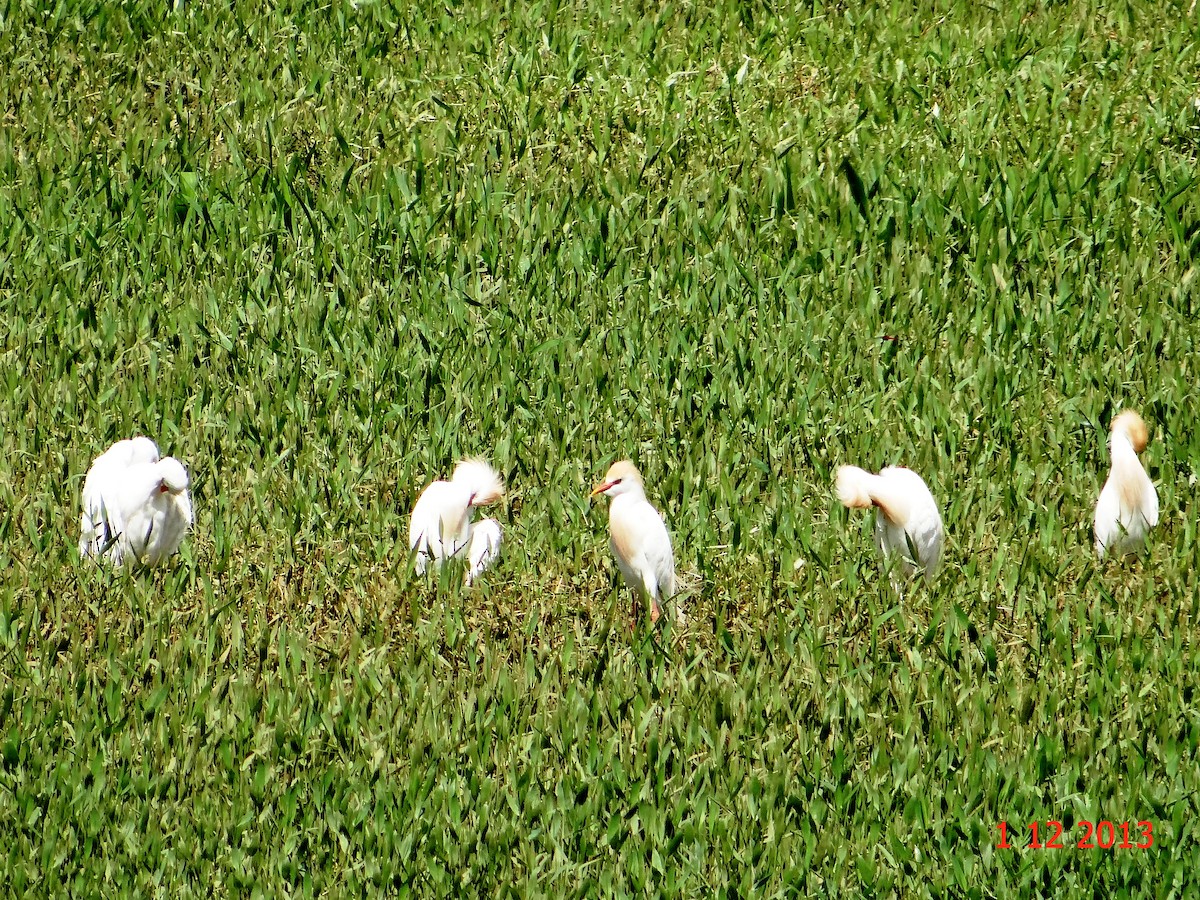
(481, 480)
(1131, 425)
(173, 477)
(621, 478)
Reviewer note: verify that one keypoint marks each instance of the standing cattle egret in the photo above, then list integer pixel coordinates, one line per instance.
(908, 522)
(639, 538)
(1128, 505)
(441, 521)
(135, 505)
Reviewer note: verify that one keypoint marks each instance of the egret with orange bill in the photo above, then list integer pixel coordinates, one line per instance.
(639, 539)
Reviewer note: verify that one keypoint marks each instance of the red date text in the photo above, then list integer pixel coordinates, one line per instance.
(1102, 835)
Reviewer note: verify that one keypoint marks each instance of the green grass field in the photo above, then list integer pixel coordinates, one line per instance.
(321, 253)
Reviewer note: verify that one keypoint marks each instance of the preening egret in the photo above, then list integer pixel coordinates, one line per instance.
(1128, 505)
(441, 526)
(908, 522)
(135, 505)
(639, 538)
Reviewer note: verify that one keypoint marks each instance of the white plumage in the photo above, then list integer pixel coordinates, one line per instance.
(136, 506)
(441, 526)
(639, 539)
(908, 519)
(483, 549)
(1128, 504)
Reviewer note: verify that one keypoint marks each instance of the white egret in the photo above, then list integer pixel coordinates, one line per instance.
(639, 539)
(908, 522)
(441, 526)
(1128, 504)
(136, 506)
